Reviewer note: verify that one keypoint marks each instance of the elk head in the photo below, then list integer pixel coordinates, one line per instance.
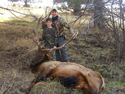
(41, 55)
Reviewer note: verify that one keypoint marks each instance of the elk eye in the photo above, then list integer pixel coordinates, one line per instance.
(32, 63)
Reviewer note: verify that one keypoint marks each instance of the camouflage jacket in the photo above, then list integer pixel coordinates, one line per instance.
(59, 24)
(50, 37)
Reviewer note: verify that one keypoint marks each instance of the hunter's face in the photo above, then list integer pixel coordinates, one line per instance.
(54, 13)
(49, 23)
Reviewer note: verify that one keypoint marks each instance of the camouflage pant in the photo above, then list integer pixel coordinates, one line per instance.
(54, 55)
(61, 55)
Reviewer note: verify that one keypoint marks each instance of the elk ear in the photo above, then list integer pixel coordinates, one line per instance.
(49, 55)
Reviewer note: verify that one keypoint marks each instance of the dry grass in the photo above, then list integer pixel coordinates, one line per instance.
(17, 50)
(52, 88)
(15, 47)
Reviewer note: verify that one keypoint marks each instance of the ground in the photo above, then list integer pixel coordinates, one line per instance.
(17, 49)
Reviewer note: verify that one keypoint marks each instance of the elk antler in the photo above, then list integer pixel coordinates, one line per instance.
(36, 32)
(63, 44)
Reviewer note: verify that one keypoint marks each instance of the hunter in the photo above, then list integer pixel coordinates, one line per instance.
(49, 37)
(59, 23)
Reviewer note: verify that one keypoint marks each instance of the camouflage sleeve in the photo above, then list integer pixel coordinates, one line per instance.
(56, 38)
(44, 25)
(65, 24)
(43, 36)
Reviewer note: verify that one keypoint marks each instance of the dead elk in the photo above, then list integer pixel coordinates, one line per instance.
(88, 81)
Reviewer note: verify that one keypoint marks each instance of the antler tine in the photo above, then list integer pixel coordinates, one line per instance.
(36, 32)
(63, 44)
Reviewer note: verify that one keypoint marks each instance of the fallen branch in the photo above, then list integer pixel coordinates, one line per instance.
(14, 11)
(11, 11)
(14, 14)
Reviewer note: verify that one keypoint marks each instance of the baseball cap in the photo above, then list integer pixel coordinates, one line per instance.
(48, 19)
(54, 9)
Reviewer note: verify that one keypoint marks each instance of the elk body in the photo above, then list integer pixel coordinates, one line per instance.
(70, 74)
(77, 76)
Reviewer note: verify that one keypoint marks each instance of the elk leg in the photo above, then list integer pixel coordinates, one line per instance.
(41, 76)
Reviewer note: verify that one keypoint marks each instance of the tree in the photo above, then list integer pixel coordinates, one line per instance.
(26, 5)
(98, 13)
(74, 4)
(14, 0)
(115, 23)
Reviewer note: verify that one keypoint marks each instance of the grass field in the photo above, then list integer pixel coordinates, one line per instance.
(17, 49)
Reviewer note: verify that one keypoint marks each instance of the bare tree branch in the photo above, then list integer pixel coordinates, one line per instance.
(14, 11)
(11, 11)
(1, 13)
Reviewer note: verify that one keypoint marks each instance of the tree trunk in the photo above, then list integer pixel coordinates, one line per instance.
(77, 8)
(98, 16)
(25, 4)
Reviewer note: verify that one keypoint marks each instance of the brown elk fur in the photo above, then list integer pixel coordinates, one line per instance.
(88, 81)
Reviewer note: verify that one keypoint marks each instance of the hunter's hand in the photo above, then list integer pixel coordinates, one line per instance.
(36, 38)
(54, 47)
